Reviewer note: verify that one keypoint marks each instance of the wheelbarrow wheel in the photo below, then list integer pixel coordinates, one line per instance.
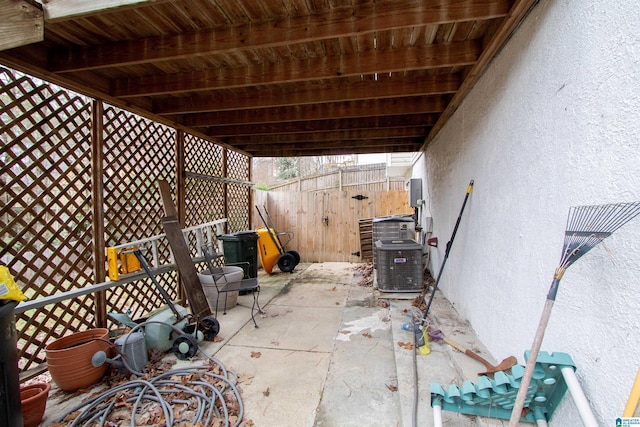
(210, 327)
(296, 257)
(286, 263)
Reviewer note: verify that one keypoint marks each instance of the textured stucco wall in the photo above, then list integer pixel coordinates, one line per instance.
(554, 122)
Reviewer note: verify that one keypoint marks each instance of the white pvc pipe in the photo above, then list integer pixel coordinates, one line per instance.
(437, 416)
(578, 397)
(542, 423)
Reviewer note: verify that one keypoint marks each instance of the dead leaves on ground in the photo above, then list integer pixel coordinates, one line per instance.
(405, 345)
(256, 354)
(366, 270)
(245, 379)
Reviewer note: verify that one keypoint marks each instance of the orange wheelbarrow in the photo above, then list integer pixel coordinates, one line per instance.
(271, 249)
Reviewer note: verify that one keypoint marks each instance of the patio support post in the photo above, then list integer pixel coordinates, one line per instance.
(225, 199)
(97, 195)
(180, 196)
(251, 198)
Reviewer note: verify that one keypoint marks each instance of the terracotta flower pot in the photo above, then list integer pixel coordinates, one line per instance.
(34, 402)
(69, 359)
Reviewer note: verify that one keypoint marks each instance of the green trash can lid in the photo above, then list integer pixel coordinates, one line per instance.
(239, 235)
(247, 233)
(228, 237)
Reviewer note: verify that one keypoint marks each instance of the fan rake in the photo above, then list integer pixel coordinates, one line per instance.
(587, 226)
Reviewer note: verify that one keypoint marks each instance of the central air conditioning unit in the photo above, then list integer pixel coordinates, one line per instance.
(399, 266)
(392, 228)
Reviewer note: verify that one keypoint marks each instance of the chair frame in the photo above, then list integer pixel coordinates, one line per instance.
(246, 284)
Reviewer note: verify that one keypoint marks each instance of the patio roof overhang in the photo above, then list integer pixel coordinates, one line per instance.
(273, 78)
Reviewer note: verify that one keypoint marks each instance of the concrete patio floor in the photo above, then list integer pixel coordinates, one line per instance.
(326, 354)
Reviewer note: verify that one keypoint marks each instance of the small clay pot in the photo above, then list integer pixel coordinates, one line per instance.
(69, 359)
(34, 402)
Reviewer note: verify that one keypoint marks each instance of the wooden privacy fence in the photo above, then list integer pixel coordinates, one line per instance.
(77, 176)
(347, 178)
(325, 224)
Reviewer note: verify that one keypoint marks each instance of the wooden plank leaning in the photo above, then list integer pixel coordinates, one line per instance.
(188, 274)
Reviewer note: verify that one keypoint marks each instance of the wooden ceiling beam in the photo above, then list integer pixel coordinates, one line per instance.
(64, 10)
(311, 145)
(21, 23)
(337, 110)
(334, 152)
(364, 63)
(322, 125)
(339, 22)
(293, 151)
(394, 87)
(329, 136)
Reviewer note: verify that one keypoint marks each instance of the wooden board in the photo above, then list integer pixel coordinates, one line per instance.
(365, 227)
(188, 274)
(21, 23)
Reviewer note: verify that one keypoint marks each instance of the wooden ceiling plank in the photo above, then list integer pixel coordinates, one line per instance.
(331, 135)
(402, 59)
(339, 110)
(342, 22)
(326, 92)
(62, 10)
(322, 125)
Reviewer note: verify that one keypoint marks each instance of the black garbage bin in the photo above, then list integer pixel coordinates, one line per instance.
(241, 247)
(10, 406)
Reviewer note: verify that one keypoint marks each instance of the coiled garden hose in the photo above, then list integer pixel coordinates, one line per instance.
(202, 394)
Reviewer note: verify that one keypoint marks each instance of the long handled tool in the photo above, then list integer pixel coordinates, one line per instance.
(491, 369)
(446, 253)
(272, 232)
(634, 398)
(587, 226)
(163, 292)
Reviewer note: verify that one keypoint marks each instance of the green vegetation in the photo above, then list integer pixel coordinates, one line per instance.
(288, 167)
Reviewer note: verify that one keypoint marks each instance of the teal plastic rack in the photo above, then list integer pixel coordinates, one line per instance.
(495, 397)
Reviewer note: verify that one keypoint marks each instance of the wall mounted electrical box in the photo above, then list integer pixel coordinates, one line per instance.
(414, 189)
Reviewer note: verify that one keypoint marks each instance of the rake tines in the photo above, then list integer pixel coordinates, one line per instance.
(587, 226)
